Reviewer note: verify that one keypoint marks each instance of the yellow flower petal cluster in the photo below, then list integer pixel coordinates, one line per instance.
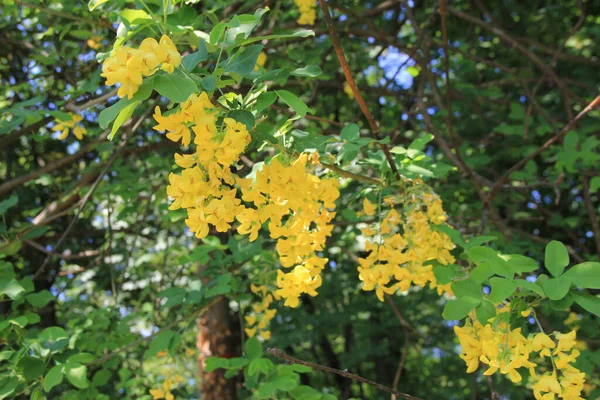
(95, 42)
(73, 123)
(200, 114)
(127, 66)
(165, 391)
(205, 186)
(402, 244)
(505, 350)
(348, 91)
(257, 321)
(308, 11)
(296, 204)
(261, 60)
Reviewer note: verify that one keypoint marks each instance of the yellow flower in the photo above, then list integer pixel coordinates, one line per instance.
(95, 42)
(265, 335)
(369, 208)
(261, 60)
(250, 319)
(73, 123)
(251, 332)
(162, 353)
(542, 344)
(308, 12)
(157, 394)
(348, 91)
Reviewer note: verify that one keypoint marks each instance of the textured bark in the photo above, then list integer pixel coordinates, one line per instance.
(217, 337)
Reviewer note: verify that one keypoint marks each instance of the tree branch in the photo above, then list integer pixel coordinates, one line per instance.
(278, 353)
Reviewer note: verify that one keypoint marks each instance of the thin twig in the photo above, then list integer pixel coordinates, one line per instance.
(278, 353)
(350, 79)
(89, 194)
(351, 175)
(544, 147)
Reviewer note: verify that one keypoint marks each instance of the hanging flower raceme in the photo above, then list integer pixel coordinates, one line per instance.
(401, 244)
(127, 66)
(73, 124)
(260, 316)
(505, 350)
(308, 12)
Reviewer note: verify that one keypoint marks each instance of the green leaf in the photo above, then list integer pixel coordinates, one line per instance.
(175, 87)
(209, 83)
(53, 377)
(109, 114)
(190, 61)
(585, 275)
(460, 308)
(166, 340)
(501, 289)
(421, 142)
(101, 377)
(93, 4)
(310, 71)
(8, 203)
(54, 339)
(31, 367)
(212, 363)
(445, 273)
(293, 102)
(519, 264)
(253, 348)
(243, 116)
(266, 390)
(258, 365)
(531, 286)
(265, 100)
(36, 232)
(485, 311)
(468, 288)
(556, 257)
(8, 386)
(481, 273)
(587, 302)
(350, 133)
(556, 288)
(489, 255)
(123, 117)
(594, 184)
(11, 288)
(39, 299)
(562, 304)
(131, 16)
(77, 374)
(245, 62)
(285, 383)
(301, 33)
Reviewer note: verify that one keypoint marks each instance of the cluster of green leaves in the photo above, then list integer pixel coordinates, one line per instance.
(264, 379)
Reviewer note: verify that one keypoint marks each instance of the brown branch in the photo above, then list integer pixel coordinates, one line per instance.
(278, 353)
(64, 255)
(7, 140)
(350, 79)
(351, 175)
(543, 66)
(10, 185)
(591, 213)
(453, 138)
(544, 147)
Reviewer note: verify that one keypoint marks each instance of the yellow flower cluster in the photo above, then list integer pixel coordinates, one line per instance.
(165, 391)
(204, 187)
(261, 313)
(502, 349)
(73, 123)
(348, 91)
(95, 42)
(297, 205)
(295, 202)
(401, 244)
(127, 66)
(308, 12)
